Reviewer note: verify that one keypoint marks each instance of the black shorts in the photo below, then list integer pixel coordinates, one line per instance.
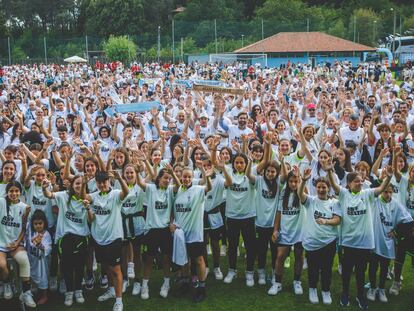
(159, 238)
(109, 254)
(195, 249)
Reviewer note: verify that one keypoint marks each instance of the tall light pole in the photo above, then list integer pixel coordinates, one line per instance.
(159, 44)
(393, 37)
(374, 31)
(242, 41)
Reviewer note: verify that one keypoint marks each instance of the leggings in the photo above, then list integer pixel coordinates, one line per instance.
(320, 262)
(222, 207)
(247, 229)
(358, 258)
(264, 239)
(54, 254)
(72, 249)
(374, 262)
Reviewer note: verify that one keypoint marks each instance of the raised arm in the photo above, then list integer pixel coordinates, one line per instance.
(301, 190)
(381, 188)
(332, 181)
(249, 174)
(396, 153)
(124, 186)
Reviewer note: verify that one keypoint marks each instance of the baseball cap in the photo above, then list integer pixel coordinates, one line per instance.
(311, 106)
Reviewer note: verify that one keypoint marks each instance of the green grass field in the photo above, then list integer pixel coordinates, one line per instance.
(237, 296)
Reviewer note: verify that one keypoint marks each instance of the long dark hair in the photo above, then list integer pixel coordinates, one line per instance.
(287, 192)
(272, 184)
(159, 176)
(9, 185)
(241, 155)
(14, 135)
(38, 215)
(4, 163)
(71, 191)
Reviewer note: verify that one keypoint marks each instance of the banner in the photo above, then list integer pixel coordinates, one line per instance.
(137, 107)
(191, 83)
(150, 81)
(217, 89)
(114, 95)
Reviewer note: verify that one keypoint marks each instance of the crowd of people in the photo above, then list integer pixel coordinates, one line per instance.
(314, 160)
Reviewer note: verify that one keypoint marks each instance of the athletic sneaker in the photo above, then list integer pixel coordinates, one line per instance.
(79, 296)
(53, 284)
(124, 285)
(209, 250)
(90, 283)
(381, 295)
(276, 287)
(371, 294)
(165, 288)
(313, 295)
(326, 298)
(362, 303)
(136, 289)
(287, 263)
(223, 250)
(144, 292)
(230, 276)
(249, 278)
(8, 291)
(68, 299)
(297, 287)
(218, 274)
(305, 264)
(262, 276)
(344, 301)
(27, 299)
(62, 286)
(109, 294)
(118, 306)
(395, 288)
(104, 281)
(131, 270)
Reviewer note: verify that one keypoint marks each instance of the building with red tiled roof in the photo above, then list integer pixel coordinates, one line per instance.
(306, 47)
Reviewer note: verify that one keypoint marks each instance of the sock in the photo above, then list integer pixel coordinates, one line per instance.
(136, 280)
(26, 286)
(167, 281)
(297, 277)
(202, 284)
(144, 283)
(118, 299)
(112, 289)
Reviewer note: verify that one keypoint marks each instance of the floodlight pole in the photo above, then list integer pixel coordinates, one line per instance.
(173, 44)
(8, 44)
(86, 44)
(44, 44)
(215, 34)
(159, 45)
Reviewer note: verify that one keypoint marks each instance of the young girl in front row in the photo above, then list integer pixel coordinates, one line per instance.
(39, 247)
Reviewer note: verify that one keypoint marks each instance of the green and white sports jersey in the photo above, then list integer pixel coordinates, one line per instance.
(213, 199)
(356, 228)
(159, 206)
(266, 203)
(133, 204)
(107, 226)
(315, 236)
(11, 224)
(36, 200)
(189, 212)
(92, 185)
(406, 195)
(72, 216)
(240, 197)
(290, 230)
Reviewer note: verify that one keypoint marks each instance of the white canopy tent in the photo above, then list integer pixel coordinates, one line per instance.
(75, 59)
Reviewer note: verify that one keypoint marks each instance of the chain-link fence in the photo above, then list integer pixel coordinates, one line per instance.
(174, 42)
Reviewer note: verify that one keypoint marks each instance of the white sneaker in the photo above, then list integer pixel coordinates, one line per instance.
(339, 269)
(326, 298)
(62, 286)
(381, 295)
(218, 274)
(262, 277)
(109, 294)
(118, 306)
(297, 287)
(230, 276)
(313, 296)
(371, 294)
(165, 288)
(209, 249)
(223, 251)
(207, 272)
(144, 292)
(395, 288)
(276, 287)
(249, 279)
(136, 289)
(131, 270)
(79, 296)
(27, 299)
(53, 284)
(124, 285)
(68, 299)
(305, 264)
(8, 291)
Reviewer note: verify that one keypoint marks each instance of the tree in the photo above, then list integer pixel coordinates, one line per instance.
(120, 49)
(367, 23)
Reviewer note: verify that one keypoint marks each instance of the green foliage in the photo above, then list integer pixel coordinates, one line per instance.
(367, 23)
(18, 54)
(120, 49)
